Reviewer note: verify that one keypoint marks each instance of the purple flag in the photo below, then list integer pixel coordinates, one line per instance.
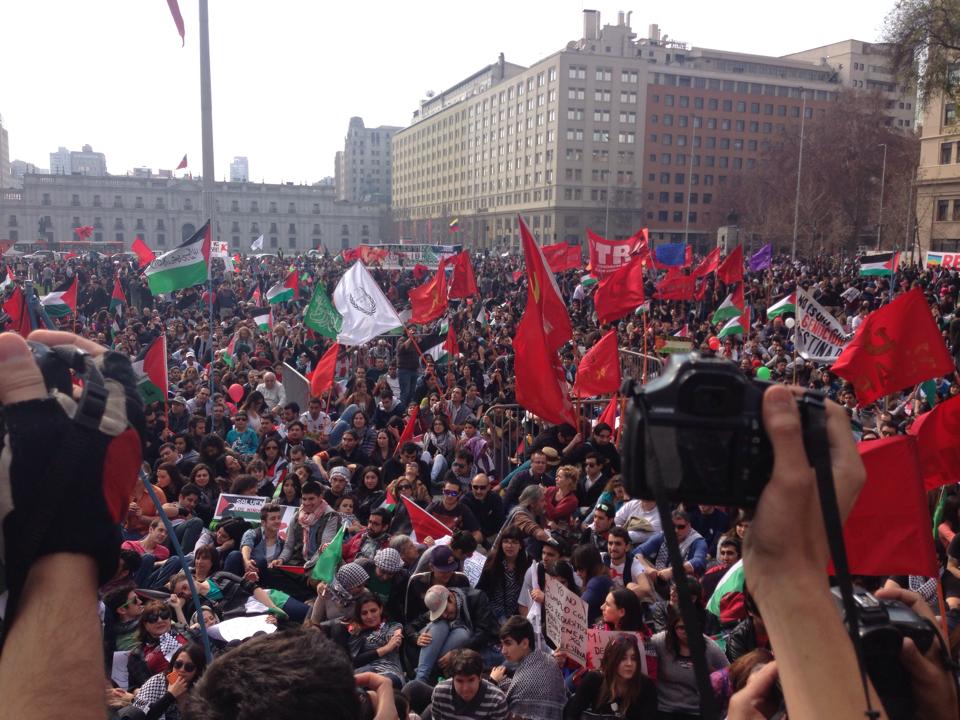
(762, 258)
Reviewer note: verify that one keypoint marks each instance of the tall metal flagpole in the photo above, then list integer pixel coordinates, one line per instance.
(796, 209)
(206, 123)
(883, 178)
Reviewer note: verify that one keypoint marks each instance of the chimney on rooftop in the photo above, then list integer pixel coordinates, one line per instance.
(591, 24)
(653, 33)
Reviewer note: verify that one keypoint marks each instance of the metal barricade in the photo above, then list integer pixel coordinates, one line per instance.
(632, 364)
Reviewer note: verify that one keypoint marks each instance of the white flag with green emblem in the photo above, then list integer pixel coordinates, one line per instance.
(365, 310)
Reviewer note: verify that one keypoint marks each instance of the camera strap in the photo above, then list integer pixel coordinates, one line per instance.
(816, 443)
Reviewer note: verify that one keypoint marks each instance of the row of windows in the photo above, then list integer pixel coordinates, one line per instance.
(681, 178)
(188, 204)
(740, 106)
(677, 216)
(944, 213)
(681, 160)
(710, 142)
(740, 86)
(679, 197)
(602, 74)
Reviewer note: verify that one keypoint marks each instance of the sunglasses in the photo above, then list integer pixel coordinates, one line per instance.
(451, 493)
(157, 616)
(185, 666)
(680, 527)
(480, 487)
(136, 601)
(404, 487)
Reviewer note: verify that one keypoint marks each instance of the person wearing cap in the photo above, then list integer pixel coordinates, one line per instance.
(388, 580)
(536, 474)
(444, 625)
(443, 571)
(339, 478)
(338, 598)
(177, 415)
(462, 544)
(598, 530)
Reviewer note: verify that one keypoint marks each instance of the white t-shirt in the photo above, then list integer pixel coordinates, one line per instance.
(633, 508)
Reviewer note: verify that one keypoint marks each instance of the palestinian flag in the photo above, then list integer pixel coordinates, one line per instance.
(782, 307)
(117, 299)
(8, 280)
(731, 582)
(739, 325)
(727, 310)
(283, 291)
(150, 368)
(184, 266)
(61, 303)
(881, 263)
(588, 281)
(265, 321)
(436, 345)
(230, 356)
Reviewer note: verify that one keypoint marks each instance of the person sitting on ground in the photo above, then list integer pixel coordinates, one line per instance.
(444, 626)
(443, 571)
(618, 689)
(466, 694)
(164, 696)
(536, 690)
(374, 643)
(337, 599)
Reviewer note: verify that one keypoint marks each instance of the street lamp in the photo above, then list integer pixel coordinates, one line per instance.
(796, 208)
(883, 177)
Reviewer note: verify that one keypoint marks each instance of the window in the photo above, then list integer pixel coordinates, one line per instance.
(187, 204)
(601, 116)
(662, 215)
(234, 206)
(46, 199)
(75, 200)
(946, 153)
(668, 100)
(575, 134)
(956, 211)
(677, 216)
(577, 72)
(274, 242)
(118, 201)
(664, 197)
(628, 97)
(628, 117)
(601, 96)
(96, 201)
(576, 93)
(943, 206)
(627, 137)
(574, 113)
(678, 197)
(604, 74)
(630, 76)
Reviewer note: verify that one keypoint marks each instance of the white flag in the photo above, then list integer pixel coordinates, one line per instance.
(257, 244)
(365, 309)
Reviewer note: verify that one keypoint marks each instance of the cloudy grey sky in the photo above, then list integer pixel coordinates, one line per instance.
(289, 74)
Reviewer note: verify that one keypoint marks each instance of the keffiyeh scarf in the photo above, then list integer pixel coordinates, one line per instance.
(536, 691)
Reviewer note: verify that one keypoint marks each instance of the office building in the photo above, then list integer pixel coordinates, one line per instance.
(938, 178)
(5, 179)
(362, 169)
(239, 170)
(78, 162)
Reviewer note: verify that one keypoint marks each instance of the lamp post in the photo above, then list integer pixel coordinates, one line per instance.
(686, 214)
(883, 177)
(796, 209)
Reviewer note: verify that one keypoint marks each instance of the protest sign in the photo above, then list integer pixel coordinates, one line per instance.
(597, 641)
(566, 616)
(607, 255)
(943, 260)
(818, 335)
(247, 507)
(472, 566)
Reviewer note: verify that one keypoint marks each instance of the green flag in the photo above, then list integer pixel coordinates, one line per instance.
(732, 581)
(938, 513)
(321, 316)
(929, 389)
(328, 561)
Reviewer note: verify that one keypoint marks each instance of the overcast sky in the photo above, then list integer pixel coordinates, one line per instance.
(288, 74)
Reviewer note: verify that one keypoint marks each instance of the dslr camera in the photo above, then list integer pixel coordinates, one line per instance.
(697, 432)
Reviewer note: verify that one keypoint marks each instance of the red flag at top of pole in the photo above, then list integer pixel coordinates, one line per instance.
(896, 347)
(463, 284)
(322, 376)
(84, 231)
(144, 254)
(408, 429)
(710, 263)
(183, 163)
(620, 292)
(731, 269)
(450, 344)
(178, 21)
(609, 414)
(429, 301)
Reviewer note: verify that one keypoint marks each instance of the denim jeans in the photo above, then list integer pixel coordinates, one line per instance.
(153, 575)
(408, 381)
(343, 424)
(443, 639)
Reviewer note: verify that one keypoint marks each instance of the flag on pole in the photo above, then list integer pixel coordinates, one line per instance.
(257, 244)
(183, 163)
(366, 311)
(325, 568)
(429, 300)
(882, 263)
(184, 266)
(264, 321)
(450, 345)
(322, 376)
(609, 414)
(454, 225)
(61, 303)
(739, 325)
(599, 370)
(144, 254)
(708, 265)
(731, 582)
(463, 284)
(8, 280)
(936, 433)
(620, 292)
(150, 369)
(178, 21)
(728, 309)
(673, 254)
(731, 269)
(424, 524)
(409, 428)
(782, 307)
(321, 316)
(285, 290)
(897, 346)
(84, 231)
(117, 299)
(16, 309)
(761, 259)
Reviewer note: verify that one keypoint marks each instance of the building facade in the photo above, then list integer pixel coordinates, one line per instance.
(165, 211)
(78, 162)
(363, 167)
(5, 178)
(612, 133)
(239, 170)
(938, 178)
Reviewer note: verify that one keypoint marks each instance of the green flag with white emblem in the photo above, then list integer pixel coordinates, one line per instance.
(321, 316)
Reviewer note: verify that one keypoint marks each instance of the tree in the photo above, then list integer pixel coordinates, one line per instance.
(839, 183)
(924, 39)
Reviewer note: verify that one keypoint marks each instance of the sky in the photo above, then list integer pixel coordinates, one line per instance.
(287, 75)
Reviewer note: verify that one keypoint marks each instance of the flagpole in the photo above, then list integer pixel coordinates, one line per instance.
(423, 359)
(643, 374)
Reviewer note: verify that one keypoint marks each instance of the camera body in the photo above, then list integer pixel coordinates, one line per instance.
(697, 432)
(883, 625)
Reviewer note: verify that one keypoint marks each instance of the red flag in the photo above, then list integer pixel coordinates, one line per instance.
(607, 255)
(541, 386)
(710, 263)
(542, 292)
(463, 284)
(16, 308)
(408, 429)
(351, 255)
(888, 530)
(256, 297)
(731, 269)
(429, 301)
(517, 274)
(897, 346)
(117, 297)
(144, 254)
(937, 434)
(178, 21)
(562, 256)
(322, 376)
(450, 344)
(420, 272)
(599, 370)
(609, 414)
(84, 231)
(676, 286)
(183, 163)
(424, 524)
(292, 281)
(688, 256)
(620, 292)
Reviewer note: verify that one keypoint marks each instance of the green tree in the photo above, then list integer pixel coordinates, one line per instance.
(924, 39)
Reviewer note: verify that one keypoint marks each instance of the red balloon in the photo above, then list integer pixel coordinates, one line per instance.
(235, 392)
(714, 343)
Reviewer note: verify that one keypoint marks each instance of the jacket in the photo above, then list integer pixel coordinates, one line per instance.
(322, 532)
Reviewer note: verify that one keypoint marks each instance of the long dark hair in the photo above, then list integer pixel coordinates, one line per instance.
(614, 654)
(367, 597)
(494, 567)
(197, 657)
(628, 601)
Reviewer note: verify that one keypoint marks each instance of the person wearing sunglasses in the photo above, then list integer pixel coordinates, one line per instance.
(453, 513)
(159, 637)
(164, 695)
(486, 506)
(656, 561)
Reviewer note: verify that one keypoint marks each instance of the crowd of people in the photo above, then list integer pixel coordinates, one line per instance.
(442, 627)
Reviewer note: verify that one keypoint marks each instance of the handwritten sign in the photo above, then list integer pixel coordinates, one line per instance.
(566, 619)
(473, 568)
(819, 336)
(597, 641)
